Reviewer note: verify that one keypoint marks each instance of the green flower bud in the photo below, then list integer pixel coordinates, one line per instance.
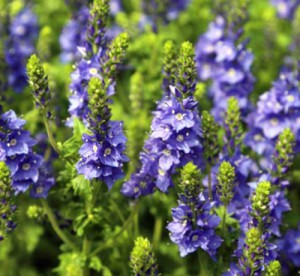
(284, 152)
(98, 104)
(7, 199)
(34, 211)
(253, 251)
(142, 259)
(273, 269)
(210, 131)
(186, 72)
(115, 55)
(99, 14)
(226, 177)
(169, 63)
(260, 200)
(38, 82)
(233, 125)
(190, 180)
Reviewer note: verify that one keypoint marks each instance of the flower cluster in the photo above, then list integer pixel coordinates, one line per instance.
(102, 154)
(276, 110)
(175, 133)
(194, 224)
(286, 8)
(227, 64)
(21, 44)
(23, 162)
(75, 32)
(91, 63)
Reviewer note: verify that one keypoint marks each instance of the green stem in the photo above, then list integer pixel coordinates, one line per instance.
(86, 250)
(203, 263)
(224, 221)
(50, 135)
(118, 211)
(209, 183)
(55, 226)
(157, 231)
(111, 240)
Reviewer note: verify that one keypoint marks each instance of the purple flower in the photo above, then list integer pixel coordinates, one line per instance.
(227, 64)
(286, 8)
(103, 157)
(173, 142)
(20, 45)
(276, 110)
(290, 247)
(191, 235)
(18, 154)
(74, 35)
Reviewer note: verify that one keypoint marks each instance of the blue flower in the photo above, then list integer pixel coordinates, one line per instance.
(276, 110)
(285, 8)
(17, 152)
(103, 157)
(20, 45)
(74, 35)
(290, 247)
(227, 64)
(173, 142)
(191, 235)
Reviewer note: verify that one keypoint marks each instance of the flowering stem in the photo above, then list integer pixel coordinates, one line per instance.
(56, 227)
(50, 135)
(157, 231)
(110, 241)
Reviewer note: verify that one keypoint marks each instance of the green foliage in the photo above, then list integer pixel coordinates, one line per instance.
(71, 264)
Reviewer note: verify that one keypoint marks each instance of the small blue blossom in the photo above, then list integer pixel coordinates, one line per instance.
(285, 8)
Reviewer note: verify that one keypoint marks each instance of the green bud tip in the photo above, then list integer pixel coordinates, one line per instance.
(273, 268)
(260, 199)
(142, 259)
(190, 179)
(225, 177)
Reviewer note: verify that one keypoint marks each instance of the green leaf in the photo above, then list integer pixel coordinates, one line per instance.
(96, 264)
